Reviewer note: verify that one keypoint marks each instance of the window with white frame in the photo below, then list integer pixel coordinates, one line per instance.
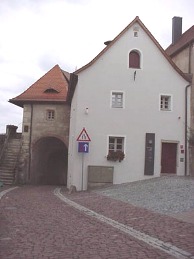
(116, 144)
(165, 102)
(117, 100)
(50, 114)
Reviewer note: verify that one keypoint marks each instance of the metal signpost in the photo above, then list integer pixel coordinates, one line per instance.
(83, 147)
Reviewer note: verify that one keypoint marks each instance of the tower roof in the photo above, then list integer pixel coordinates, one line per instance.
(52, 87)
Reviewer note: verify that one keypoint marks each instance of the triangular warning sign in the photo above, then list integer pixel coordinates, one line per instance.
(83, 136)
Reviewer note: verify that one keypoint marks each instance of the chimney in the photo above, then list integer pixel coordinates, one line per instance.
(176, 29)
(107, 42)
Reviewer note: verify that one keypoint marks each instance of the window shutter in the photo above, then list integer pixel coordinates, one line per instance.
(134, 59)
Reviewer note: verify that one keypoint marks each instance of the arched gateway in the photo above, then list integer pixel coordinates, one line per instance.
(49, 162)
(45, 130)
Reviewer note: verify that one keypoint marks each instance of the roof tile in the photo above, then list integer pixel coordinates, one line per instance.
(184, 40)
(55, 78)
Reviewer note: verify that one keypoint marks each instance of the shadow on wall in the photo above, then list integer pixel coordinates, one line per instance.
(49, 162)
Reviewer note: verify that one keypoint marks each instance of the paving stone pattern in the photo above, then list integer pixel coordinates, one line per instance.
(34, 223)
(167, 247)
(166, 195)
(162, 227)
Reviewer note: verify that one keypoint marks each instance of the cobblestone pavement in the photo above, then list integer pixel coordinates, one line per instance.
(35, 223)
(170, 195)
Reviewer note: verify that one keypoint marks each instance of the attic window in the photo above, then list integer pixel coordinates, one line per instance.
(135, 31)
(51, 91)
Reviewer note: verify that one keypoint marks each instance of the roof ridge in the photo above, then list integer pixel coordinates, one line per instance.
(107, 47)
(137, 19)
(182, 36)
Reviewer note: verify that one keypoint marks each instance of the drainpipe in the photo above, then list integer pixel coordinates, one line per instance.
(186, 108)
(190, 51)
(29, 164)
(186, 126)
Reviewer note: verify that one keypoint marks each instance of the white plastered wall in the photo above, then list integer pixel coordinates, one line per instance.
(140, 115)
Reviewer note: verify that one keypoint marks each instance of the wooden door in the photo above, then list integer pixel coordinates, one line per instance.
(169, 158)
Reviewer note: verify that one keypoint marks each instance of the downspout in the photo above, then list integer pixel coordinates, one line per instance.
(186, 109)
(29, 164)
(189, 65)
(186, 126)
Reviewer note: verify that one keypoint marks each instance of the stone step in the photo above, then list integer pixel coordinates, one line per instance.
(13, 144)
(8, 160)
(7, 174)
(12, 150)
(7, 181)
(7, 167)
(11, 156)
(6, 171)
(14, 140)
(3, 177)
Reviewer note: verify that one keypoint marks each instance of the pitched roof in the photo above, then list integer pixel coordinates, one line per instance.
(52, 87)
(186, 38)
(136, 20)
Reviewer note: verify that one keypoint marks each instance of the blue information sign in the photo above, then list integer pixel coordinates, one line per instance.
(83, 147)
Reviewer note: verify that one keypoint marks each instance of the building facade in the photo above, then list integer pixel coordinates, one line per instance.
(181, 51)
(120, 118)
(45, 130)
(130, 99)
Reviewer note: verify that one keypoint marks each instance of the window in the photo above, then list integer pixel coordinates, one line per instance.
(25, 128)
(50, 115)
(165, 103)
(51, 91)
(117, 100)
(134, 59)
(135, 33)
(116, 144)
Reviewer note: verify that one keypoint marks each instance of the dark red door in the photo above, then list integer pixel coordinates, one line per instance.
(169, 157)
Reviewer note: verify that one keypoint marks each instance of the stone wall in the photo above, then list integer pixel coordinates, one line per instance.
(36, 126)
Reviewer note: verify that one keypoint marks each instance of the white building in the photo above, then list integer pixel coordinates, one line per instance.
(129, 98)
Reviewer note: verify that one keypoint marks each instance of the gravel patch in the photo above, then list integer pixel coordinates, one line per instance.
(166, 194)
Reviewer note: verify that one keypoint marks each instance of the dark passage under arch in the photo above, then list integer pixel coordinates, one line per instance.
(49, 162)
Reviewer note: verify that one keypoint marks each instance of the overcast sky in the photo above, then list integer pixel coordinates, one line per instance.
(38, 34)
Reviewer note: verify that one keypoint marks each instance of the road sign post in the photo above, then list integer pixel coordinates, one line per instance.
(83, 147)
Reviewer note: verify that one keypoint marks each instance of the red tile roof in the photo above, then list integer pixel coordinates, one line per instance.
(151, 37)
(52, 87)
(186, 38)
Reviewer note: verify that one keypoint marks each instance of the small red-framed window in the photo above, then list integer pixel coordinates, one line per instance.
(134, 59)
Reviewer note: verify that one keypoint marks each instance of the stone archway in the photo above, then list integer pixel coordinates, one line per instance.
(49, 162)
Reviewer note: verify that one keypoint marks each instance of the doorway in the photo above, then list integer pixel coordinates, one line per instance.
(49, 162)
(169, 158)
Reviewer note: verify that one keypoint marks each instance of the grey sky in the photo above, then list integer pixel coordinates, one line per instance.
(38, 34)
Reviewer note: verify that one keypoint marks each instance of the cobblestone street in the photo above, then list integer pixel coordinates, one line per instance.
(47, 222)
